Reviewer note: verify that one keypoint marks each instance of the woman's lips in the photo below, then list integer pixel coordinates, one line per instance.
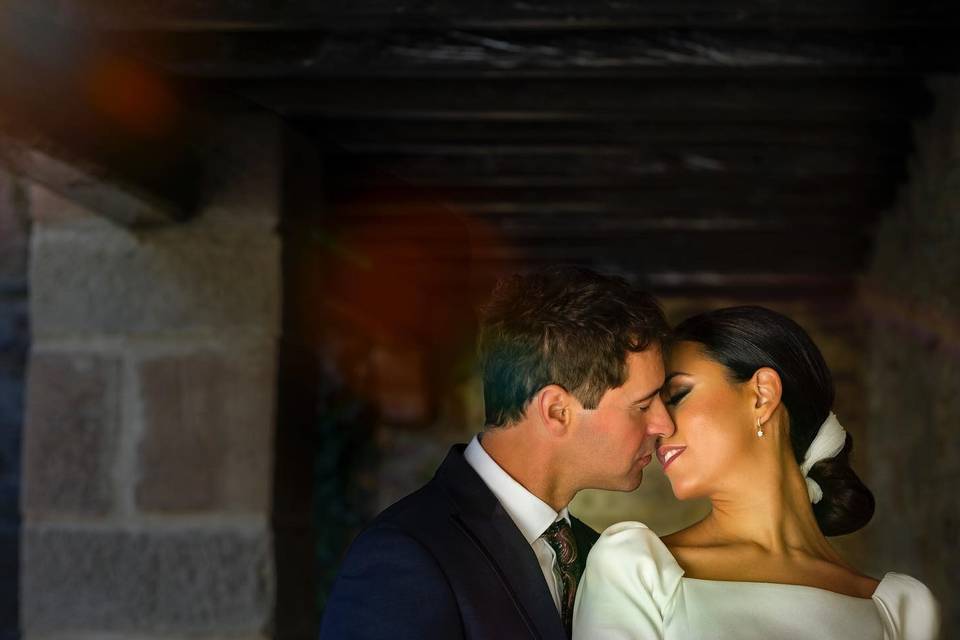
(667, 454)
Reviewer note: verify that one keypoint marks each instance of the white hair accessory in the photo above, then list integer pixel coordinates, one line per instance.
(827, 444)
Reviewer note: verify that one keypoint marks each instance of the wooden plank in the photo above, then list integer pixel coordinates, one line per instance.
(453, 161)
(640, 177)
(620, 53)
(723, 288)
(743, 197)
(704, 101)
(238, 15)
(588, 222)
(634, 215)
(735, 251)
(885, 138)
(743, 287)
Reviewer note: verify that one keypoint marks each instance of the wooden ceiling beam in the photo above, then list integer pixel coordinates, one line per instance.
(453, 161)
(802, 250)
(699, 102)
(587, 222)
(294, 15)
(425, 176)
(714, 288)
(743, 197)
(891, 138)
(624, 54)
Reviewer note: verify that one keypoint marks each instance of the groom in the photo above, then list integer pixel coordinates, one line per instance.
(487, 549)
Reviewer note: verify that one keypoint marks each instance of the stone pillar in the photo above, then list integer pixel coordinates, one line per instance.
(912, 294)
(150, 411)
(14, 341)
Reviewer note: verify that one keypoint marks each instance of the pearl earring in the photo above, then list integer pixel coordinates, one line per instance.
(759, 429)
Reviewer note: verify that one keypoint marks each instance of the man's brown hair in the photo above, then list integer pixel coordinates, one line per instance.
(566, 325)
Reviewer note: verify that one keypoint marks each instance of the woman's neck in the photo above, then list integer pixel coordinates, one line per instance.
(769, 507)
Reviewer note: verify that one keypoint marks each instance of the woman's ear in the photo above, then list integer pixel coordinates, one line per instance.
(768, 391)
(554, 408)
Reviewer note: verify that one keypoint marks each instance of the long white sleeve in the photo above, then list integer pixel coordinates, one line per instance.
(908, 608)
(627, 586)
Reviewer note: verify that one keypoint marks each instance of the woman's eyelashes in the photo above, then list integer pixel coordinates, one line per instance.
(676, 396)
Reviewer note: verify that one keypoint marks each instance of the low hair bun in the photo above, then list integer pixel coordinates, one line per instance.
(847, 504)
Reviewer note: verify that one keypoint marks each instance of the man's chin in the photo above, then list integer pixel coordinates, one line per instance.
(634, 483)
(620, 483)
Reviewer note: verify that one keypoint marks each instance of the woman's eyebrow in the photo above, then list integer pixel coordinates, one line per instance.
(672, 375)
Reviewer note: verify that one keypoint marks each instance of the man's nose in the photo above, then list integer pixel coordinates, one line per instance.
(660, 423)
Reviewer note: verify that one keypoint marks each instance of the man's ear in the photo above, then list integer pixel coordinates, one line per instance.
(767, 392)
(555, 409)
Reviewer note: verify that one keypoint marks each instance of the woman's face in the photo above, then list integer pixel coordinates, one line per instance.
(715, 426)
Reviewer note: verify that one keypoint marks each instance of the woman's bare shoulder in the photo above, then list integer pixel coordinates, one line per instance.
(696, 536)
(703, 557)
(693, 548)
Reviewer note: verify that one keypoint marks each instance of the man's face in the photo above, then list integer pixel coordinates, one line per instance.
(614, 442)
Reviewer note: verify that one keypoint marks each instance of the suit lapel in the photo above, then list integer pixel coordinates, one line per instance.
(481, 516)
(585, 537)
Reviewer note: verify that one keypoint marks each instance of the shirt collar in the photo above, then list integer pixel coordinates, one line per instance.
(531, 514)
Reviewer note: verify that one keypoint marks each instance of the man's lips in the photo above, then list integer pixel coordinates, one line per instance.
(668, 453)
(645, 459)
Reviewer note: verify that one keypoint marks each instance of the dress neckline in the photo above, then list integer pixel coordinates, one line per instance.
(872, 597)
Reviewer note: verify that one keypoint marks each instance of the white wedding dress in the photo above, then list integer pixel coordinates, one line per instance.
(633, 588)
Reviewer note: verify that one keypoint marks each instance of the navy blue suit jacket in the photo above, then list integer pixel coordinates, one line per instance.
(445, 562)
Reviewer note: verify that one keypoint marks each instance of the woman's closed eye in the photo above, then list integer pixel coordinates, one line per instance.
(676, 396)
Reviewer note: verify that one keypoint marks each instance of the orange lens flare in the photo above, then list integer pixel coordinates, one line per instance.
(136, 98)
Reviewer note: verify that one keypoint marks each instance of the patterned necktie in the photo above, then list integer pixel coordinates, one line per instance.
(560, 537)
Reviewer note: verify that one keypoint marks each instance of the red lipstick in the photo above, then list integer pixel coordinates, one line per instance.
(668, 453)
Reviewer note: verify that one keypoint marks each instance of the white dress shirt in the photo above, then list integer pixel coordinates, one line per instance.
(531, 514)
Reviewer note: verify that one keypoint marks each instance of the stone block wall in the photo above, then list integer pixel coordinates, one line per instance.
(912, 298)
(150, 412)
(14, 342)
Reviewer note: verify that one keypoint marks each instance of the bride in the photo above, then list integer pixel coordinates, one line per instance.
(751, 396)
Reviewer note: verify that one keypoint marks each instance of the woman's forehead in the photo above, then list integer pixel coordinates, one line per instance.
(691, 358)
(684, 351)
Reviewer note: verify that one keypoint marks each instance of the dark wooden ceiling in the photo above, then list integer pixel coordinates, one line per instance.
(699, 145)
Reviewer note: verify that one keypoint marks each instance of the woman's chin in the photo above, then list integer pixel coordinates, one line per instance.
(682, 492)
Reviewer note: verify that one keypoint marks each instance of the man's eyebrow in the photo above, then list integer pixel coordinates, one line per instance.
(648, 396)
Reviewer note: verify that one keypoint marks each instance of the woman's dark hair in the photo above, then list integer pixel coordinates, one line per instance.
(568, 326)
(744, 339)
